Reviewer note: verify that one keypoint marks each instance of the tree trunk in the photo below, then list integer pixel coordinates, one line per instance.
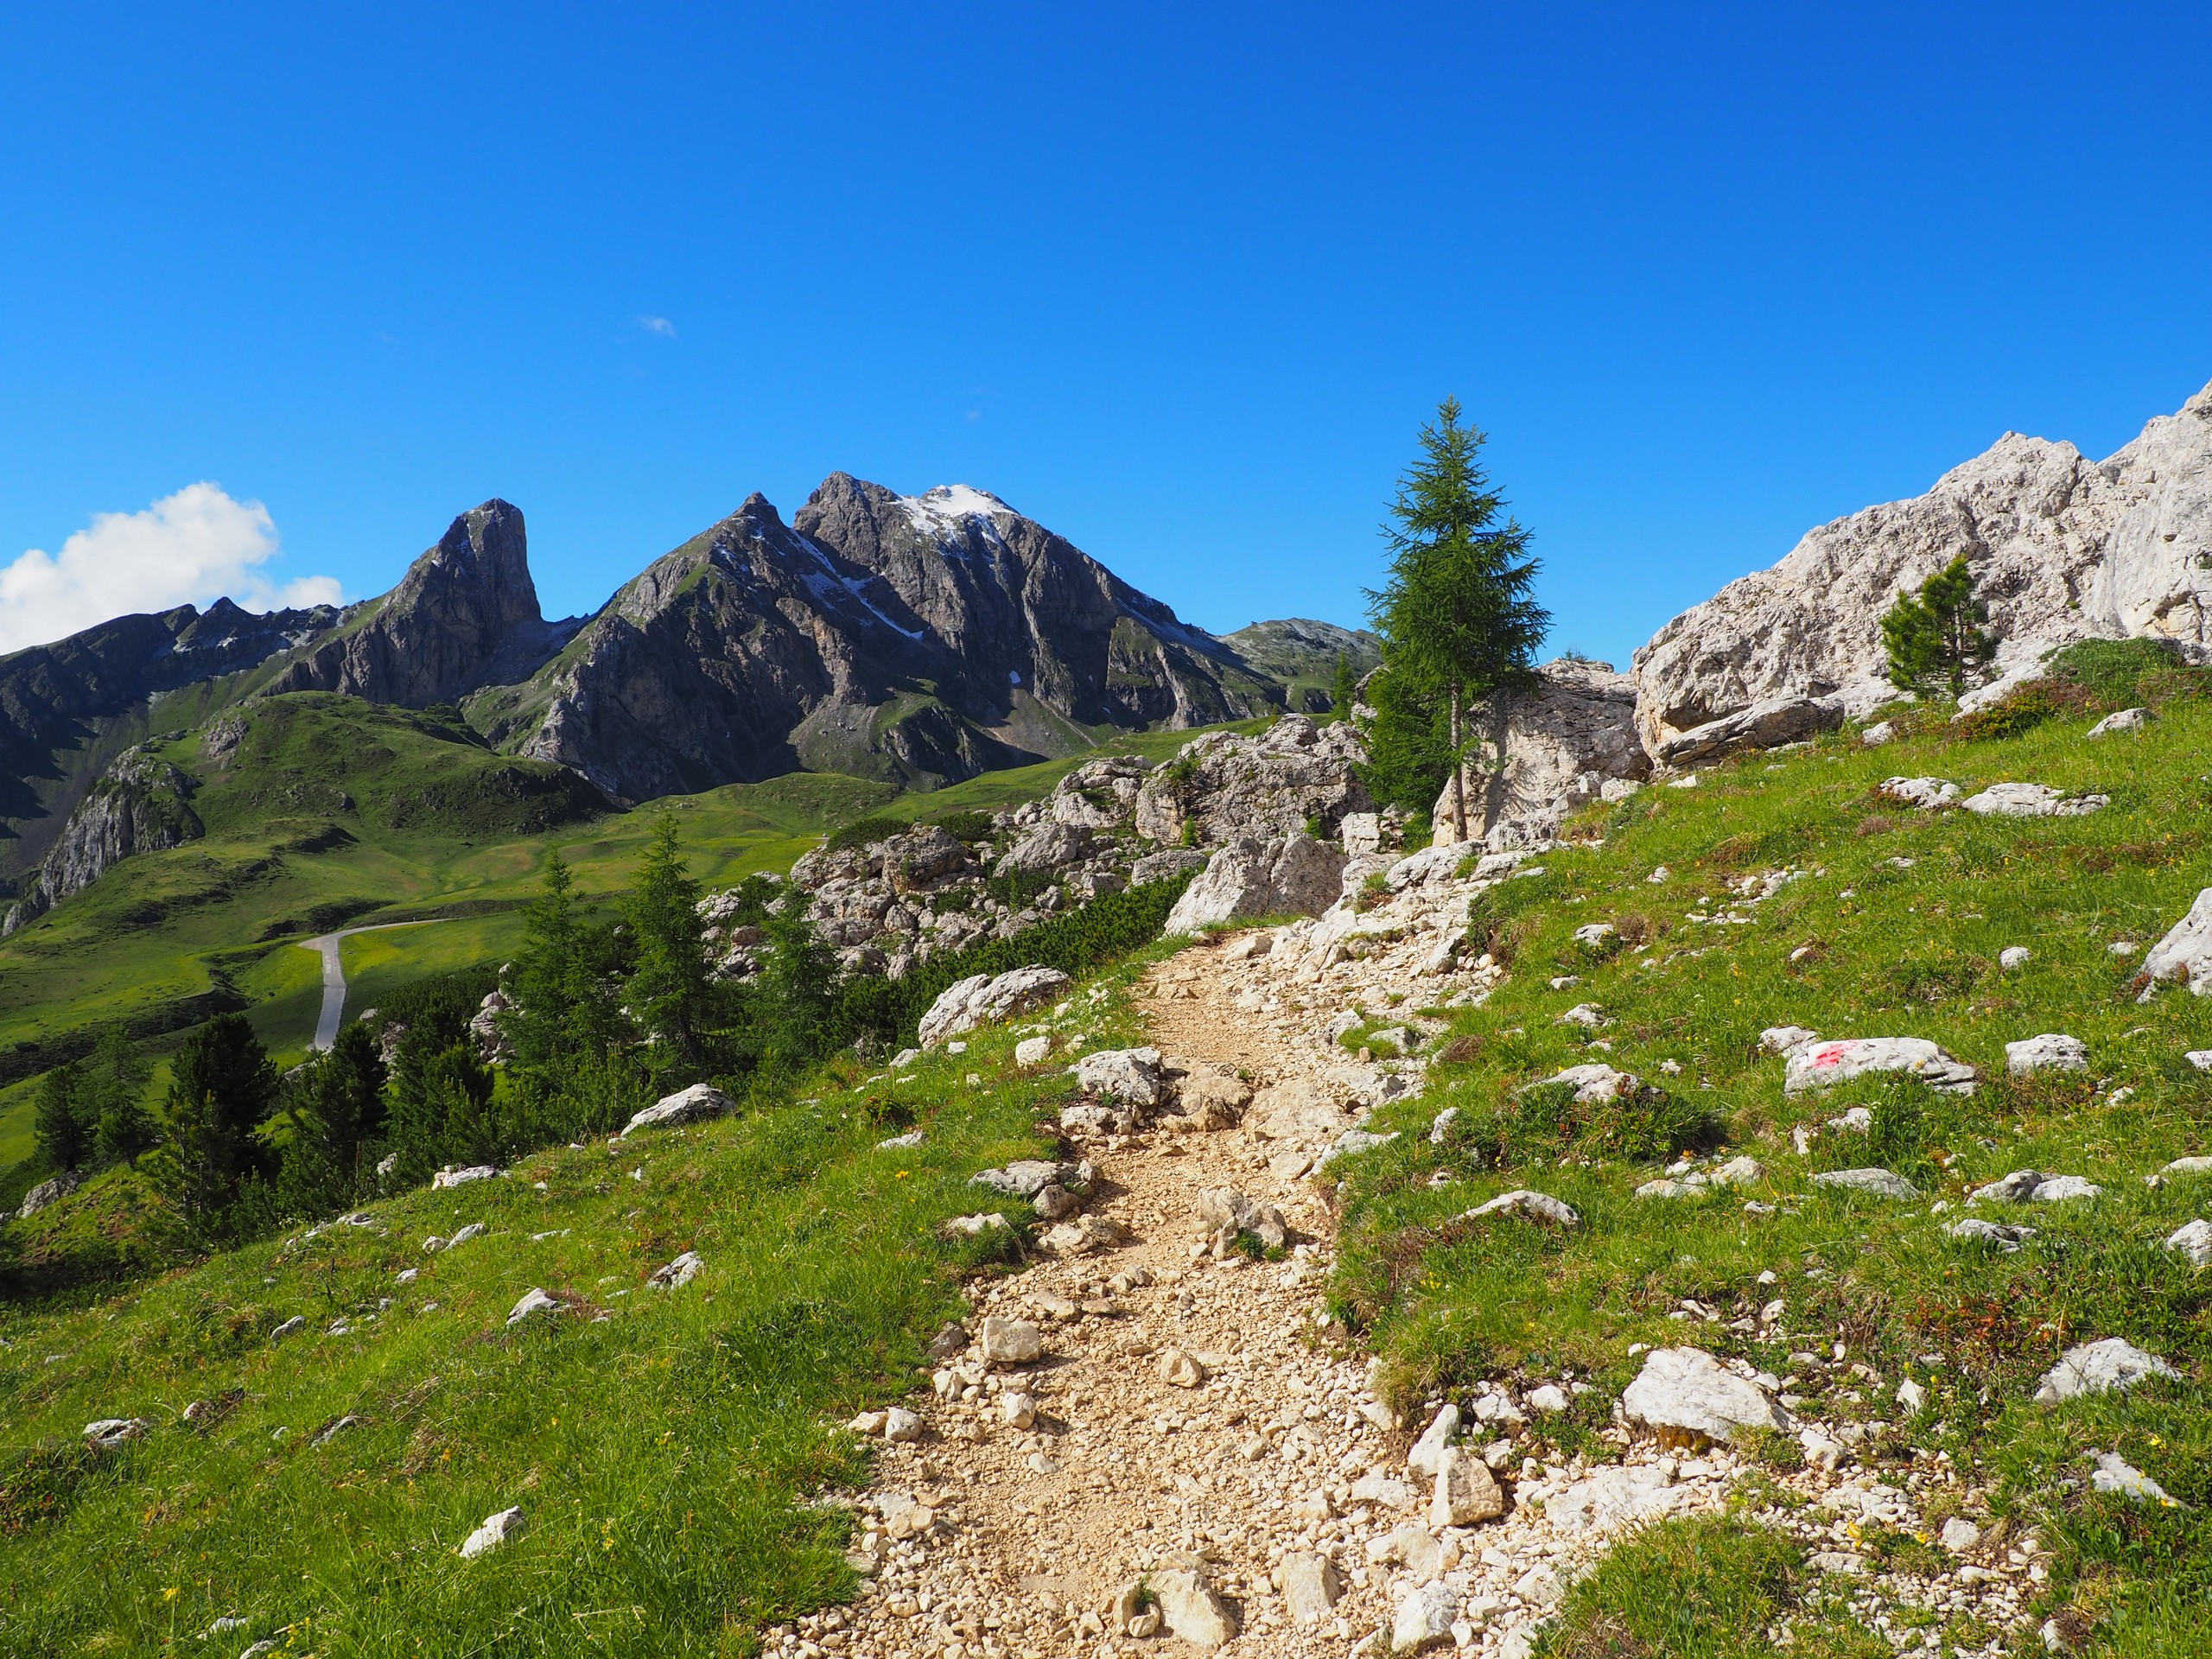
(1459, 776)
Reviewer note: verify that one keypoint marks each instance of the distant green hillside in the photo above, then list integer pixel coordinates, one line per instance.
(332, 812)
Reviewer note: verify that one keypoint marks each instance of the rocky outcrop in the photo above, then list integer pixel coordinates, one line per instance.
(1766, 725)
(2063, 548)
(465, 615)
(140, 804)
(1293, 875)
(1294, 777)
(1564, 742)
(1245, 803)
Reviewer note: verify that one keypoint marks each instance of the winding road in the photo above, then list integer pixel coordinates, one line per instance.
(334, 975)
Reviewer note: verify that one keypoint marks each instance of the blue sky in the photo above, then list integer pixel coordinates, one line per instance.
(1180, 281)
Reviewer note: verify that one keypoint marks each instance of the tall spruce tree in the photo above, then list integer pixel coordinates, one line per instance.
(561, 1015)
(336, 1107)
(63, 1125)
(115, 1099)
(668, 990)
(1934, 639)
(1344, 687)
(1456, 613)
(223, 1086)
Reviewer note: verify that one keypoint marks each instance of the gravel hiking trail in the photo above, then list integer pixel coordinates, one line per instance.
(1193, 1411)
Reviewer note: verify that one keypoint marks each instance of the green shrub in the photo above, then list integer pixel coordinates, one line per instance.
(2019, 711)
(861, 832)
(2110, 671)
(1545, 1121)
(966, 826)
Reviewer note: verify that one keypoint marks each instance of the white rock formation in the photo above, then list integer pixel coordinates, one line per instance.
(495, 1531)
(982, 998)
(1293, 875)
(2052, 1051)
(2099, 1368)
(2032, 801)
(701, 1101)
(2063, 548)
(2185, 953)
(1822, 1065)
(1766, 725)
(1564, 741)
(1686, 1392)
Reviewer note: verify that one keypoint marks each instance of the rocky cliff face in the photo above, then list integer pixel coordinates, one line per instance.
(66, 707)
(2063, 548)
(924, 638)
(140, 804)
(465, 615)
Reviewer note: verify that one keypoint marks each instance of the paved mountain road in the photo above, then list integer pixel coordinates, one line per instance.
(334, 975)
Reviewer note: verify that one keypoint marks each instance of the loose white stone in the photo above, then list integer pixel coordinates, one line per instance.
(533, 1301)
(693, 1105)
(1465, 1491)
(1011, 1342)
(1686, 1391)
(497, 1530)
(2193, 1240)
(1526, 1201)
(1426, 1456)
(2052, 1051)
(2115, 1475)
(2101, 1367)
(2128, 720)
(1881, 1183)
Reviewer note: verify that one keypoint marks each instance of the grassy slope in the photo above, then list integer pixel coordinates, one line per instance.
(661, 1455)
(1895, 951)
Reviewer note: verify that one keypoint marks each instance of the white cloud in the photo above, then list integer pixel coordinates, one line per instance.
(189, 547)
(660, 326)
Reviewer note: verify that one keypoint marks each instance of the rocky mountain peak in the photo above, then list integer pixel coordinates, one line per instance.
(484, 554)
(465, 615)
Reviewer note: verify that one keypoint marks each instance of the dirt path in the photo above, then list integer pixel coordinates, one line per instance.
(1123, 1470)
(1271, 1474)
(333, 976)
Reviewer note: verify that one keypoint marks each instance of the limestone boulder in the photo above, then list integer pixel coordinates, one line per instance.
(2108, 1365)
(1565, 740)
(2052, 1051)
(1232, 787)
(1294, 874)
(696, 1104)
(2032, 801)
(1687, 1394)
(1766, 724)
(1125, 1074)
(1823, 1065)
(983, 999)
(2185, 954)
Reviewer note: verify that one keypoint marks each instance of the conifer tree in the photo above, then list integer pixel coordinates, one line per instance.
(62, 1124)
(561, 1015)
(222, 1087)
(115, 1097)
(1456, 615)
(337, 1111)
(667, 989)
(1344, 687)
(1935, 639)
